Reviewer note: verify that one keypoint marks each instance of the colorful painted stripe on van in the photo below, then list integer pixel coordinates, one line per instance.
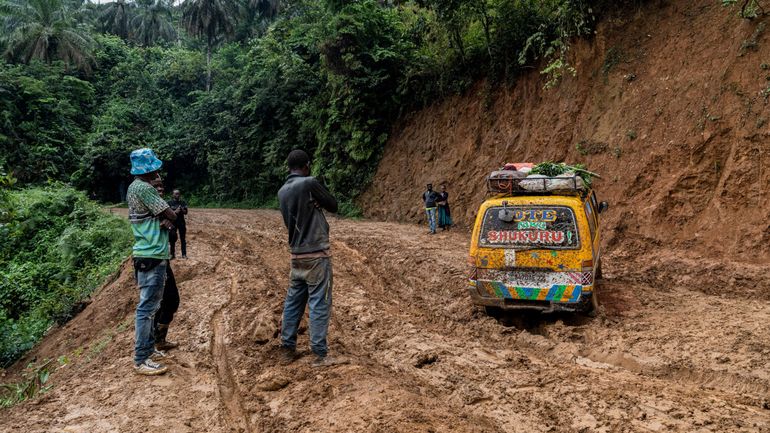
(555, 293)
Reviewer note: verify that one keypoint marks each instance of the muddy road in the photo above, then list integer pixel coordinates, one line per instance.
(659, 357)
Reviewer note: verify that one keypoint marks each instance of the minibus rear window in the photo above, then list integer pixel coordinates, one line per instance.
(528, 227)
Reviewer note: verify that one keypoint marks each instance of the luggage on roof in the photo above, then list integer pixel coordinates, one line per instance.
(516, 177)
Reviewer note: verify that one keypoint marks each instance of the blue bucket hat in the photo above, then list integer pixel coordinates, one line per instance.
(144, 161)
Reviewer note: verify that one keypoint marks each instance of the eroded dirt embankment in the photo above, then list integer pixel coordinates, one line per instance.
(659, 357)
(669, 105)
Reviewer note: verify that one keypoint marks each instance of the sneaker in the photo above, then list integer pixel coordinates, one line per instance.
(157, 354)
(287, 355)
(184, 256)
(328, 361)
(150, 368)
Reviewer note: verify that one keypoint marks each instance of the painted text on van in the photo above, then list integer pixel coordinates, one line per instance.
(541, 215)
(550, 237)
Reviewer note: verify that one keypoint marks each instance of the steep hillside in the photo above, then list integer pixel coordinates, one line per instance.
(669, 105)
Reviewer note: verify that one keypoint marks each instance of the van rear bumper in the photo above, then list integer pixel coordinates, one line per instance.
(556, 298)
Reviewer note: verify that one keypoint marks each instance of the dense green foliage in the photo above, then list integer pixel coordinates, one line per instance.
(56, 247)
(224, 89)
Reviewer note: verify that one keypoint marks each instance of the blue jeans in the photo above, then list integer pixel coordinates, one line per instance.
(431, 213)
(150, 294)
(311, 283)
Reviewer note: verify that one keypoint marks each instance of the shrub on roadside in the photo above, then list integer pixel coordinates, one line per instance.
(56, 247)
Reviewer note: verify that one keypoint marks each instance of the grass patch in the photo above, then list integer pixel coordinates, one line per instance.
(613, 57)
(33, 382)
(591, 147)
(752, 44)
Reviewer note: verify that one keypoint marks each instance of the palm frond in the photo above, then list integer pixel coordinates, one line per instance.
(152, 23)
(212, 20)
(44, 30)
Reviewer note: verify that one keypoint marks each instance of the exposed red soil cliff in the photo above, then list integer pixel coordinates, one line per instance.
(669, 105)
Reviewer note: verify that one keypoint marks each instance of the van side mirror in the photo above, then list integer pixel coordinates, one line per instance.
(603, 206)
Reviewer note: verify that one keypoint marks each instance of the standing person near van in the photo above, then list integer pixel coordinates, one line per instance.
(302, 200)
(179, 206)
(444, 216)
(150, 252)
(430, 199)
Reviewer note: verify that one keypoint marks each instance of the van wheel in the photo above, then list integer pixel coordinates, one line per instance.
(494, 312)
(591, 308)
(503, 317)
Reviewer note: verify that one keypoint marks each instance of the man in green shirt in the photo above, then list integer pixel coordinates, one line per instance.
(145, 209)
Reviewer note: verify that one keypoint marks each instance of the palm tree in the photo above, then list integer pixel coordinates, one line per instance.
(267, 9)
(257, 16)
(44, 30)
(116, 17)
(152, 23)
(210, 20)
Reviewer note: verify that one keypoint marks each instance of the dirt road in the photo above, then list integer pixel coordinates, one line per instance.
(660, 357)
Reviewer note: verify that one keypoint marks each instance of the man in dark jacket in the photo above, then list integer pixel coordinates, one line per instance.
(302, 199)
(179, 207)
(169, 304)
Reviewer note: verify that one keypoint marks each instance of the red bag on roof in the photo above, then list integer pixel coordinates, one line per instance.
(517, 165)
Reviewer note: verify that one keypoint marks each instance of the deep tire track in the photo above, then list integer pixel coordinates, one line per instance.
(229, 394)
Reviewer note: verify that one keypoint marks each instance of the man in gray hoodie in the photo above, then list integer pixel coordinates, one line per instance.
(302, 200)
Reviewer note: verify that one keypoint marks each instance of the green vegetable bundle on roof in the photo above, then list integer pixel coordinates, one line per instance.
(553, 169)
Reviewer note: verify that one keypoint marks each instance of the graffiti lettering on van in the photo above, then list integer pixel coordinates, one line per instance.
(525, 225)
(534, 215)
(545, 237)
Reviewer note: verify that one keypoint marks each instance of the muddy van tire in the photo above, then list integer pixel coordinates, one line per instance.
(494, 312)
(588, 305)
(591, 308)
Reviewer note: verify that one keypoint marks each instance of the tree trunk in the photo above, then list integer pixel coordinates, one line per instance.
(458, 40)
(485, 24)
(179, 32)
(208, 65)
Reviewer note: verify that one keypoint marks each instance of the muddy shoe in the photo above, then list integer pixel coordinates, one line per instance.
(287, 355)
(328, 361)
(161, 331)
(157, 354)
(150, 368)
(165, 345)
